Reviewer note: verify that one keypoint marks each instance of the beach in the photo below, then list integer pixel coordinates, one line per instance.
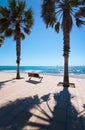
(33, 105)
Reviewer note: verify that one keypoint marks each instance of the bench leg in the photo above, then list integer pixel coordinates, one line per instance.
(41, 79)
(30, 78)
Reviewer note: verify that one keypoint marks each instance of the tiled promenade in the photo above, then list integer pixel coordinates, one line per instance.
(31, 105)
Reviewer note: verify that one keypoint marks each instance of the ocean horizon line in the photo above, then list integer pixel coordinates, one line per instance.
(73, 70)
(42, 65)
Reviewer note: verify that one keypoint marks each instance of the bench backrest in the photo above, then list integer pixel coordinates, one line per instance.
(33, 74)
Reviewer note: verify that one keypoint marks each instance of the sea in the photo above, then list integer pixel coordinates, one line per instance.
(73, 70)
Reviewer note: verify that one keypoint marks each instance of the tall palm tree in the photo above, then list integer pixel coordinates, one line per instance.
(60, 13)
(15, 21)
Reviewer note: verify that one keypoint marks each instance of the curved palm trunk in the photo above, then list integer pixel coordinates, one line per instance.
(66, 33)
(18, 49)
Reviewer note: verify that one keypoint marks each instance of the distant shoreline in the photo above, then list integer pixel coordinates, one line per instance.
(50, 74)
(53, 70)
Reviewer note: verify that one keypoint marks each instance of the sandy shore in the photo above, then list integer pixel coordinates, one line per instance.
(15, 95)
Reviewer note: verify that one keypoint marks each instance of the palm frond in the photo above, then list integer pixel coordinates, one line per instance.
(82, 2)
(1, 30)
(81, 12)
(76, 3)
(22, 36)
(29, 13)
(8, 32)
(26, 30)
(73, 2)
(48, 12)
(21, 5)
(57, 27)
(29, 18)
(4, 12)
(4, 23)
(2, 37)
(12, 4)
(79, 22)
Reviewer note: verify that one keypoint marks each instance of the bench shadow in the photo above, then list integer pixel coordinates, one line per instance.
(15, 115)
(64, 115)
(33, 81)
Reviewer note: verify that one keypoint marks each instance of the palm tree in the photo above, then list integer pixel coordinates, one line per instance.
(16, 21)
(60, 13)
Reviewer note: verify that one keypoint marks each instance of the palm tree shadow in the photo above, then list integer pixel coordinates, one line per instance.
(15, 115)
(64, 115)
(2, 83)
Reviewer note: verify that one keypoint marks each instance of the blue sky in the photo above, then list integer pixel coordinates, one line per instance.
(44, 46)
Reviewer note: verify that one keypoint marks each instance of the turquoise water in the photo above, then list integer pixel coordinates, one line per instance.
(74, 70)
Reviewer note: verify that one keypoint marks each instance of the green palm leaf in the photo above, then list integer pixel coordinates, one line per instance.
(12, 4)
(57, 26)
(4, 11)
(29, 18)
(26, 30)
(8, 32)
(22, 36)
(48, 12)
(22, 5)
(81, 12)
(79, 22)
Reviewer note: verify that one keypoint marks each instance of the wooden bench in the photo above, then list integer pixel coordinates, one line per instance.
(36, 75)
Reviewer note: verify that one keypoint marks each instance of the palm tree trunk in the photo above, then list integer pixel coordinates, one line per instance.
(18, 71)
(66, 61)
(66, 34)
(18, 50)
(66, 73)
(18, 59)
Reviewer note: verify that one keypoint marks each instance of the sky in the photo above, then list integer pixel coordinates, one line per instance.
(43, 47)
